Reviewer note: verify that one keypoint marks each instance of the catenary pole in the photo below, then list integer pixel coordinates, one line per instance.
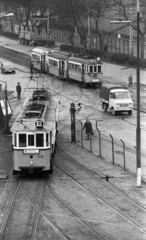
(138, 130)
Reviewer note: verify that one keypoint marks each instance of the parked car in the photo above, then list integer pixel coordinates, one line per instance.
(7, 67)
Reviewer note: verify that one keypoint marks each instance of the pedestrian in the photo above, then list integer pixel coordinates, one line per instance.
(18, 90)
(88, 127)
(130, 81)
(31, 68)
(105, 47)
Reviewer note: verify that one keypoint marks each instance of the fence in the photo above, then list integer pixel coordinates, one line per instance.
(119, 45)
(114, 151)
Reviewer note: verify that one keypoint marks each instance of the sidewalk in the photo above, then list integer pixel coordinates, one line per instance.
(117, 176)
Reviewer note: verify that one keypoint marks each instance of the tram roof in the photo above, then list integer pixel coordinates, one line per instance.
(58, 56)
(28, 124)
(84, 60)
(41, 50)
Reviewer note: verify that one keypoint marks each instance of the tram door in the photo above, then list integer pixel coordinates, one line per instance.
(83, 73)
(43, 62)
(61, 69)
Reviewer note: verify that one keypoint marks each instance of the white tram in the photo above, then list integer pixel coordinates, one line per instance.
(38, 57)
(34, 134)
(85, 70)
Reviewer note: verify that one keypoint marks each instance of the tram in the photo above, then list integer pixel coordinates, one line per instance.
(84, 70)
(34, 134)
(38, 57)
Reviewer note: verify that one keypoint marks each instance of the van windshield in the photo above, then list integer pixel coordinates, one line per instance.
(122, 95)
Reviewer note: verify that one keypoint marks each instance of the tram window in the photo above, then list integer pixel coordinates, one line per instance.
(30, 140)
(91, 69)
(99, 68)
(15, 140)
(95, 69)
(85, 69)
(35, 57)
(53, 63)
(47, 139)
(39, 140)
(22, 140)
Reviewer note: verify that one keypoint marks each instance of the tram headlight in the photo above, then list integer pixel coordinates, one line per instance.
(31, 162)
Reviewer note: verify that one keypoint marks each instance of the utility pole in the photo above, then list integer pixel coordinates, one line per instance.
(138, 130)
(89, 26)
(6, 104)
(48, 27)
(131, 35)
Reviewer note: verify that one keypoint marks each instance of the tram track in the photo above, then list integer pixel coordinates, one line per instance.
(32, 204)
(14, 209)
(9, 207)
(75, 214)
(125, 206)
(98, 176)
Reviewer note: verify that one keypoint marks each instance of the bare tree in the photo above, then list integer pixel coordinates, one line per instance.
(71, 15)
(123, 8)
(97, 10)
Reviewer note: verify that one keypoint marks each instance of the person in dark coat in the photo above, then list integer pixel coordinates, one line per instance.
(18, 90)
(88, 127)
(130, 81)
(105, 47)
(31, 68)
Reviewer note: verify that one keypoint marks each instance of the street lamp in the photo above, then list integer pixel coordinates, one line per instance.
(138, 130)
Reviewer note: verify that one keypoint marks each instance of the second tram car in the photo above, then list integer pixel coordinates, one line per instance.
(85, 70)
(34, 134)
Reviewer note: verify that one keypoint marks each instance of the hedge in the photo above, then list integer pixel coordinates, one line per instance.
(10, 35)
(118, 58)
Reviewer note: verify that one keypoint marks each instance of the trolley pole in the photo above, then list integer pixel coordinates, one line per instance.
(73, 130)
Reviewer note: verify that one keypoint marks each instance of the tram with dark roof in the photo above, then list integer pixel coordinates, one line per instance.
(34, 134)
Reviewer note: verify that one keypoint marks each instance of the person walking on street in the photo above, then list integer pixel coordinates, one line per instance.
(130, 81)
(88, 127)
(105, 47)
(18, 90)
(31, 68)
